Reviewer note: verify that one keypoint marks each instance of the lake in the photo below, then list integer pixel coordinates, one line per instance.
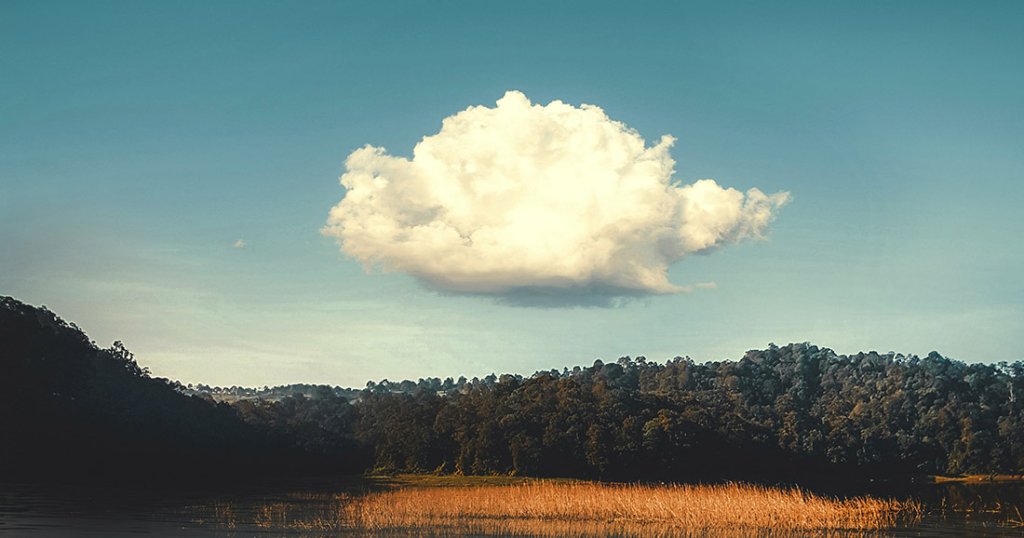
(310, 510)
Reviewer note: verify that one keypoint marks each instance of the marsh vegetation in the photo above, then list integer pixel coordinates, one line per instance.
(404, 506)
(620, 509)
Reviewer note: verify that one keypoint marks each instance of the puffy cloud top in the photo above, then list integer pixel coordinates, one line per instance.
(548, 198)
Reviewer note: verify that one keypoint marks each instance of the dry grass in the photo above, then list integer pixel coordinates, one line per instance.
(594, 509)
(565, 509)
(1017, 523)
(977, 478)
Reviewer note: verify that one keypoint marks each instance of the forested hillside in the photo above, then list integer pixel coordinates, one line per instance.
(797, 409)
(68, 407)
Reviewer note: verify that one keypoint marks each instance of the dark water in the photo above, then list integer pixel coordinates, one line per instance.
(961, 509)
(32, 511)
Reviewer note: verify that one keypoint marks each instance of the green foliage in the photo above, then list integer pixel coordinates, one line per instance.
(788, 411)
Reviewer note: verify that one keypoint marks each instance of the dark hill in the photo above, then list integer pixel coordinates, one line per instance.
(69, 409)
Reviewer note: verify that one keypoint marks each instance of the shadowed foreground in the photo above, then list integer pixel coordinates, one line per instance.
(593, 509)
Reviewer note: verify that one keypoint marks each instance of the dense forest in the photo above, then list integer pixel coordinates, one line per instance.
(797, 411)
(784, 413)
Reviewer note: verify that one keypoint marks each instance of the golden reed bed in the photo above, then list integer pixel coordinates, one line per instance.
(595, 509)
(568, 509)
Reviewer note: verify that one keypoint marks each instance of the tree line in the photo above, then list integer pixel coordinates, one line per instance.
(792, 410)
(784, 413)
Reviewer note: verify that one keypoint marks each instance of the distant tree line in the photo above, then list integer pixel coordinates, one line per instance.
(235, 392)
(68, 407)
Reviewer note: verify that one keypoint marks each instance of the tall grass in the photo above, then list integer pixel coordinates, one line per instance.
(595, 509)
(566, 509)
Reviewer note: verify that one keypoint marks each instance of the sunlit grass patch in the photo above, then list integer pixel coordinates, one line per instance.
(592, 509)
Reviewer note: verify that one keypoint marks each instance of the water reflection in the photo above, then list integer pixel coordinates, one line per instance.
(32, 511)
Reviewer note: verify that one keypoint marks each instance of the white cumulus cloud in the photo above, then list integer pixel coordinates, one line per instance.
(528, 197)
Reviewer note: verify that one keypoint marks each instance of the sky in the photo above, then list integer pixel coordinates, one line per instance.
(169, 177)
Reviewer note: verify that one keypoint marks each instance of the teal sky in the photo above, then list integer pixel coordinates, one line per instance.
(140, 140)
